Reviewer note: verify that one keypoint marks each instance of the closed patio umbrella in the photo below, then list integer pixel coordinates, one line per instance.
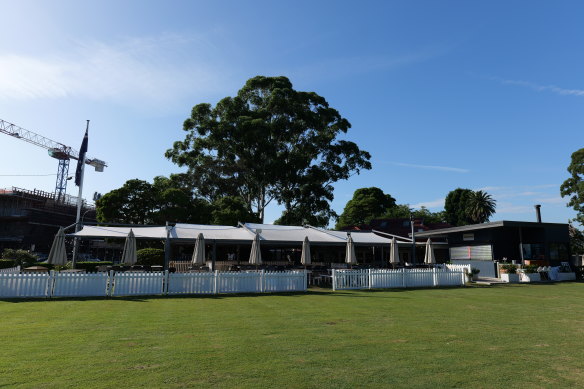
(129, 254)
(393, 252)
(255, 256)
(199, 253)
(58, 255)
(306, 259)
(350, 257)
(429, 256)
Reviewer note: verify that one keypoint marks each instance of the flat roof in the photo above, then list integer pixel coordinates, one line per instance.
(474, 227)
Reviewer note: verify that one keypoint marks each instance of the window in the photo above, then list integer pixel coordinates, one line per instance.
(533, 251)
(406, 223)
(558, 251)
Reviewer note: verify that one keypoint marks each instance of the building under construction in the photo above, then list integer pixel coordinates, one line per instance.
(29, 219)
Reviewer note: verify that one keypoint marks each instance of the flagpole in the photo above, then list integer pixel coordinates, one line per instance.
(79, 205)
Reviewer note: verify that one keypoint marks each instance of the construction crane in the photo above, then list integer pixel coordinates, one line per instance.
(56, 150)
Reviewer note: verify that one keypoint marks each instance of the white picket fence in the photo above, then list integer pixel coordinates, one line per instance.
(57, 284)
(15, 269)
(398, 278)
(78, 284)
(25, 284)
(454, 267)
(135, 284)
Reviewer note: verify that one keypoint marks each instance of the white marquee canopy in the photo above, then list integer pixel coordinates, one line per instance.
(244, 234)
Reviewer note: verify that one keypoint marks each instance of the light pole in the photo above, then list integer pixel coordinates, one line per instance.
(413, 239)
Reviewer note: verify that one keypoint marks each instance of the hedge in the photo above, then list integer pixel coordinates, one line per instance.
(150, 257)
(7, 263)
(20, 257)
(91, 267)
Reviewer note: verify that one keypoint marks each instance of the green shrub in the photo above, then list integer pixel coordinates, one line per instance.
(509, 268)
(91, 267)
(150, 257)
(20, 257)
(6, 263)
(44, 264)
(530, 269)
(474, 271)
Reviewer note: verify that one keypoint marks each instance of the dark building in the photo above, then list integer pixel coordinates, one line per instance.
(523, 242)
(29, 219)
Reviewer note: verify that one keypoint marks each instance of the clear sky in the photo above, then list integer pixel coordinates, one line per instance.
(443, 94)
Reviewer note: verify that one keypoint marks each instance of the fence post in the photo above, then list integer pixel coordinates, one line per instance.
(110, 284)
(165, 281)
(50, 284)
(262, 281)
(334, 279)
(404, 283)
(434, 277)
(216, 282)
(369, 280)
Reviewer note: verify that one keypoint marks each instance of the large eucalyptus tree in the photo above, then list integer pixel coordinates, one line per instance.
(268, 143)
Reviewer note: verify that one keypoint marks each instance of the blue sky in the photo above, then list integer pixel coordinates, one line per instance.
(479, 95)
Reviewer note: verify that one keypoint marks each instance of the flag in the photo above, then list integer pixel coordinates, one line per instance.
(81, 159)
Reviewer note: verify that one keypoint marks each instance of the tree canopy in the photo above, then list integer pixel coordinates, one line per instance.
(229, 211)
(269, 143)
(366, 204)
(401, 211)
(168, 199)
(574, 185)
(464, 206)
(456, 205)
(133, 203)
(576, 240)
(481, 206)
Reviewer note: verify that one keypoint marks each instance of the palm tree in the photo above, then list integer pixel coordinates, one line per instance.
(481, 206)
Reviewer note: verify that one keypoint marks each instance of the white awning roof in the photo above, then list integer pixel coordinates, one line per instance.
(245, 233)
(218, 233)
(292, 234)
(121, 232)
(362, 237)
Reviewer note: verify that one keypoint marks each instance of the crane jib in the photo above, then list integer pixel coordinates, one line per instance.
(55, 149)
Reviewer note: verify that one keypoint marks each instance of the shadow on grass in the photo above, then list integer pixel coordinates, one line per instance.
(314, 291)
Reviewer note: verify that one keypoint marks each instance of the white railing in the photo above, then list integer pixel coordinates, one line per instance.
(79, 284)
(15, 269)
(135, 283)
(191, 283)
(399, 278)
(283, 281)
(450, 266)
(25, 284)
(239, 282)
(57, 284)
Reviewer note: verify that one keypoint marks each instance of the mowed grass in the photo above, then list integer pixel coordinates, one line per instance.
(481, 337)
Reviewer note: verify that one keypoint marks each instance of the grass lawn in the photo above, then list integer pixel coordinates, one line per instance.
(481, 337)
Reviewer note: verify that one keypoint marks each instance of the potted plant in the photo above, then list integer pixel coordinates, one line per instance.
(529, 274)
(509, 273)
(474, 272)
